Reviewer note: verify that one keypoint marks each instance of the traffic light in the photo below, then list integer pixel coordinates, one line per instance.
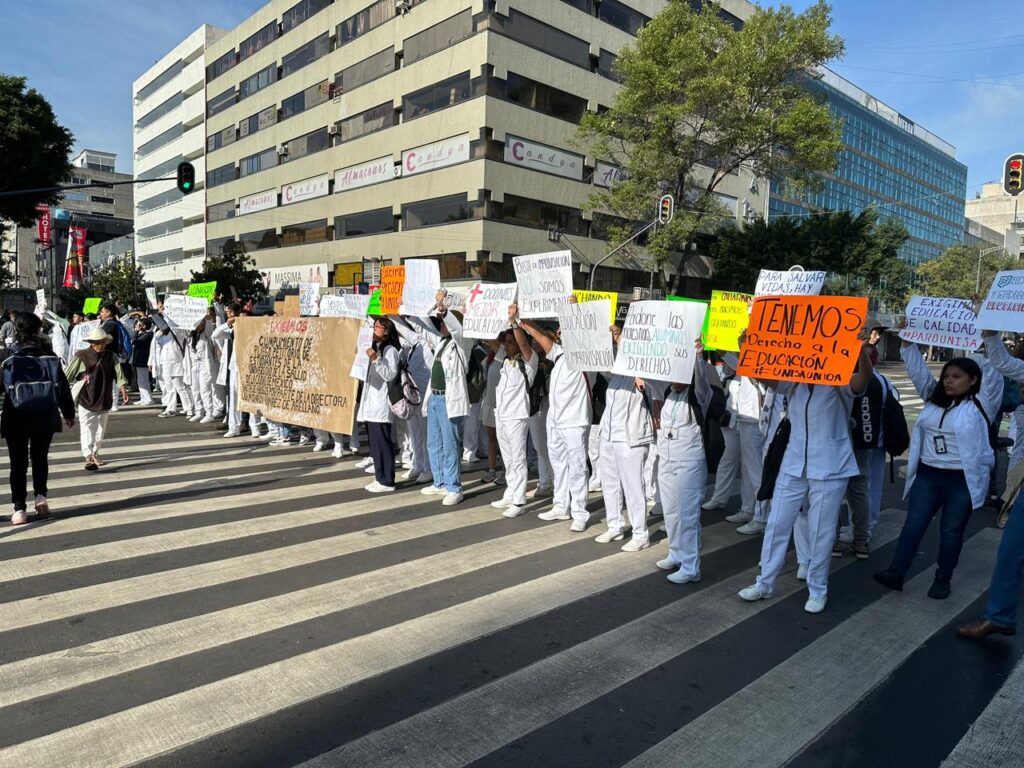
(186, 178)
(666, 209)
(1012, 174)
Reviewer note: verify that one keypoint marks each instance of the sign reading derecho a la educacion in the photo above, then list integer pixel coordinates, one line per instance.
(942, 323)
(586, 340)
(1003, 308)
(545, 283)
(657, 340)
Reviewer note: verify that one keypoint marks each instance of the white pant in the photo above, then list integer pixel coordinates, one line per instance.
(145, 391)
(727, 467)
(819, 500)
(681, 485)
(539, 438)
(322, 436)
(622, 471)
(651, 476)
(91, 427)
(417, 425)
(175, 385)
(594, 452)
(208, 398)
(751, 465)
(470, 433)
(567, 447)
(512, 442)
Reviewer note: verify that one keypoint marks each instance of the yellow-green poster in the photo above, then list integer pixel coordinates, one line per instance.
(584, 296)
(203, 290)
(728, 318)
(92, 305)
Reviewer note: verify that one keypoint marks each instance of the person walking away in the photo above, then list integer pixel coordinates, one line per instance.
(112, 327)
(35, 394)
(375, 408)
(96, 372)
(140, 359)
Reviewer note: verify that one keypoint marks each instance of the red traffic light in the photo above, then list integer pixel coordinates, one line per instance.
(1015, 165)
(1013, 171)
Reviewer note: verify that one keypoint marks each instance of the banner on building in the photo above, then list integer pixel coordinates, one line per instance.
(541, 157)
(657, 340)
(43, 225)
(586, 340)
(74, 272)
(1003, 308)
(545, 283)
(421, 284)
(392, 283)
(942, 323)
(439, 154)
(279, 278)
(727, 319)
(345, 305)
(611, 297)
(793, 281)
(487, 310)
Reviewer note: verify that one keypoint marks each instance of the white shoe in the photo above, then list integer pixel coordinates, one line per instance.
(451, 499)
(268, 437)
(409, 474)
(801, 572)
(594, 486)
(681, 578)
(318, 446)
(514, 510)
(635, 545)
(846, 535)
(232, 433)
(303, 439)
(336, 453)
(739, 517)
(470, 458)
(277, 442)
(609, 536)
(433, 490)
(363, 463)
(555, 513)
(354, 450)
(578, 526)
(815, 604)
(376, 487)
(165, 414)
(114, 409)
(752, 528)
(667, 564)
(539, 493)
(754, 593)
(501, 504)
(425, 477)
(207, 420)
(711, 504)
(196, 417)
(370, 470)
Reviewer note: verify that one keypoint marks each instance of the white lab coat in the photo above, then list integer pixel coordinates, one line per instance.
(374, 405)
(454, 361)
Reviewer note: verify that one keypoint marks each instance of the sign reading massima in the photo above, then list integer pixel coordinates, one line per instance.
(258, 202)
(439, 154)
(541, 157)
(306, 189)
(364, 174)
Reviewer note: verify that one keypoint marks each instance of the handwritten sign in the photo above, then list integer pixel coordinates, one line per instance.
(707, 316)
(151, 297)
(455, 300)
(487, 310)
(345, 305)
(612, 298)
(585, 336)
(91, 305)
(361, 363)
(545, 283)
(79, 332)
(727, 319)
(657, 340)
(309, 299)
(203, 290)
(812, 339)
(942, 323)
(1003, 308)
(773, 282)
(373, 308)
(422, 282)
(296, 370)
(184, 311)
(392, 283)
(40, 302)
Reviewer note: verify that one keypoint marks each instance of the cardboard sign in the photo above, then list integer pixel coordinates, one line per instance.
(545, 283)
(942, 323)
(151, 297)
(791, 282)
(91, 306)
(203, 290)
(812, 339)
(184, 311)
(585, 336)
(295, 370)
(392, 283)
(707, 316)
(657, 340)
(309, 299)
(1003, 308)
(291, 306)
(422, 282)
(487, 310)
(361, 363)
(345, 305)
(279, 308)
(727, 319)
(373, 308)
(611, 297)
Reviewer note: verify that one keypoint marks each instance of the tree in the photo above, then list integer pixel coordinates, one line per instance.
(700, 100)
(121, 281)
(34, 150)
(956, 272)
(232, 268)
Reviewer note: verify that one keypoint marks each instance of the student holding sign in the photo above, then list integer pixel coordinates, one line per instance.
(168, 359)
(374, 406)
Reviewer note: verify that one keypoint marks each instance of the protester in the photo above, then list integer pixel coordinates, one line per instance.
(112, 327)
(170, 361)
(205, 353)
(495, 358)
(95, 373)
(140, 359)
(227, 376)
(414, 357)
(375, 409)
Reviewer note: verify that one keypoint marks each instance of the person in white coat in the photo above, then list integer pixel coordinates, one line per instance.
(375, 407)
(538, 428)
(205, 369)
(170, 360)
(816, 466)
(495, 358)
(227, 374)
(414, 347)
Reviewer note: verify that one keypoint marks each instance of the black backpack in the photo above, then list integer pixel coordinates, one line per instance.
(536, 391)
(476, 375)
(895, 433)
(30, 382)
(866, 417)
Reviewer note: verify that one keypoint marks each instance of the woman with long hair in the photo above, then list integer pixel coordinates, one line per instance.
(375, 408)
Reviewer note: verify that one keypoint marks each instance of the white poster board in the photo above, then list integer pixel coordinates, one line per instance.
(78, 334)
(361, 363)
(309, 299)
(657, 340)
(40, 302)
(545, 283)
(455, 300)
(586, 340)
(1003, 308)
(151, 297)
(487, 310)
(345, 305)
(942, 323)
(793, 281)
(422, 282)
(184, 311)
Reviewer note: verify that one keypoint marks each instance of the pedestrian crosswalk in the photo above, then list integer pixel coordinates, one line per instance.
(909, 397)
(201, 602)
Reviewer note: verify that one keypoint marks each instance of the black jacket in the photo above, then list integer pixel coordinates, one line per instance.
(140, 349)
(12, 420)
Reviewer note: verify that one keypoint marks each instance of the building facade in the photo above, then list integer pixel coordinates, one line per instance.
(889, 162)
(169, 115)
(342, 136)
(1001, 212)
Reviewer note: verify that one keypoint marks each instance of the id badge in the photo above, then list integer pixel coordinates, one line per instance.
(940, 444)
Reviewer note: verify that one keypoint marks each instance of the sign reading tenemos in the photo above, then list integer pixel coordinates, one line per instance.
(306, 189)
(439, 154)
(541, 157)
(364, 174)
(258, 202)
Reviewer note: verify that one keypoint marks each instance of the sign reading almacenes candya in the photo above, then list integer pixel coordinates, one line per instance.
(439, 154)
(541, 157)
(306, 189)
(364, 174)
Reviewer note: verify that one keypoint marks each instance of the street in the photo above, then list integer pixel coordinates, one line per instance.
(202, 601)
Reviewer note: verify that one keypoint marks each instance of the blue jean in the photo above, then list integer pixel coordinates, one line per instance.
(1005, 587)
(444, 442)
(934, 489)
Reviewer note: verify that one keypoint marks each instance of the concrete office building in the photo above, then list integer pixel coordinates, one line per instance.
(1001, 212)
(169, 113)
(345, 135)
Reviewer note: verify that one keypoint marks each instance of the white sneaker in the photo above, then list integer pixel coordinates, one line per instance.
(578, 526)
(433, 490)
(425, 477)
(501, 504)
(376, 487)
(207, 420)
(681, 578)
(556, 513)
(514, 510)
(470, 458)
(277, 442)
(451, 499)
(752, 528)
(409, 474)
(268, 437)
(609, 536)
(635, 545)
(801, 572)
(318, 446)
(711, 504)
(739, 517)
(336, 453)
(354, 450)
(232, 433)
(754, 593)
(815, 604)
(303, 439)
(363, 463)
(165, 414)
(594, 486)
(196, 417)
(539, 493)
(667, 564)
(846, 535)
(370, 470)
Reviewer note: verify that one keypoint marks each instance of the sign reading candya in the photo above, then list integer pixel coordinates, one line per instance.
(296, 370)
(541, 157)
(440, 154)
(1003, 308)
(942, 323)
(545, 283)
(307, 189)
(657, 340)
(727, 319)
(586, 340)
(487, 310)
(812, 339)
(392, 283)
(793, 281)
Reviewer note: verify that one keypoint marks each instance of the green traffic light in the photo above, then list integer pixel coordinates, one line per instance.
(186, 185)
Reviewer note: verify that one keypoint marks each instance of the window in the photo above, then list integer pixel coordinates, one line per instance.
(315, 141)
(310, 232)
(525, 212)
(220, 211)
(367, 122)
(586, 6)
(622, 16)
(362, 22)
(438, 37)
(365, 223)
(604, 65)
(220, 245)
(257, 82)
(220, 102)
(305, 99)
(437, 96)
(158, 171)
(257, 41)
(528, 31)
(163, 139)
(159, 200)
(221, 175)
(365, 71)
(262, 119)
(97, 199)
(155, 114)
(258, 162)
(306, 54)
(301, 11)
(159, 81)
(221, 65)
(220, 139)
(544, 98)
(258, 241)
(441, 210)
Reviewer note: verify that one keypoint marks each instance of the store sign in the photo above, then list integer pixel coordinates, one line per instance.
(305, 190)
(605, 174)
(364, 174)
(258, 202)
(440, 154)
(541, 157)
(278, 278)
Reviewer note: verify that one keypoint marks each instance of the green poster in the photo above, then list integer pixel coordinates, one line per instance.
(203, 290)
(707, 317)
(91, 306)
(374, 308)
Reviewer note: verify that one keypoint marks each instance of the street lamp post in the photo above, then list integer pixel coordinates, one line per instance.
(977, 281)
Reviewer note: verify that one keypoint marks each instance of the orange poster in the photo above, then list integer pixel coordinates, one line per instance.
(811, 339)
(392, 283)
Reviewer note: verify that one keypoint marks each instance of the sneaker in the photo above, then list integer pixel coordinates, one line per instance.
(499, 480)
(667, 564)
(501, 504)
(354, 450)
(268, 436)
(609, 536)
(470, 458)
(815, 604)
(846, 534)
(861, 550)
(940, 588)
(451, 499)
(555, 513)
(165, 414)
(489, 477)
(683, 578)
(433, 490)
(196, 417)
(754, 593)
(303, 439)
(889, 579)
(277, 442)
(837, 549)
(318, 446)
(594, 486)
(801, 572)
(514, 510)
(539, 493)
(739, 517)
(656, 512)
(635, 545)
(376, 487)
(233, 432)
(189, 415)
(426, 476)
(752, 528)
(409, 474)
(42, 507)
(711, 504)
(578, 526)
(336, 453)
(20, 517)
(207, 420)
(364, 463)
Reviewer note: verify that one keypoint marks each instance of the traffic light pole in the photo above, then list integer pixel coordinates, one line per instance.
(613, 251)
(101, 184)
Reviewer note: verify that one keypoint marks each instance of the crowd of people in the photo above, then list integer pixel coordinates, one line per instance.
(809, 458)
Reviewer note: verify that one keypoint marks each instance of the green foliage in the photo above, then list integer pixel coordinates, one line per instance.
(956, 274)
(232, 267)
(34, 149)
(121, 281)
(700, 100)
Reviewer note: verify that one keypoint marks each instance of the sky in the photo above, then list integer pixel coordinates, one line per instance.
(952, 66)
